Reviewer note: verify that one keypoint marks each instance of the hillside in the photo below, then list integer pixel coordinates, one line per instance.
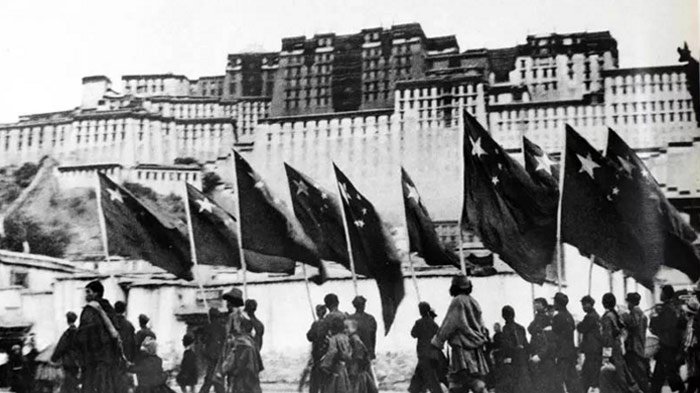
(61, 223)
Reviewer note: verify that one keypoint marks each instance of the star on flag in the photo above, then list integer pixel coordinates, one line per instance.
(413, 193)
(626, 165)
(477, 150)
(115, 195)
(205, 205)
(302, 188)
(587, 165)
(495, 180)
(544, 163)
(359, 223)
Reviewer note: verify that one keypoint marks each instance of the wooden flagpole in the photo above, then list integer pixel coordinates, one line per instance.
(413, 276)
(193, 246)
(101, 216)
(241, 254)
(308, 292)
(347, 233)
(590, 275)
(560, 251)
(462, 263)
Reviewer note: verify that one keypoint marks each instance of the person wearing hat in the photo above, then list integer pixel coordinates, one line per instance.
(432, 367)
(366, 325)
(144, 331)
(590, 344)
(636, 325)
(214, 337)
(563, 327)
(66, 352)
(99, 342)
(463, 328)
(234, 304)
(668, 324)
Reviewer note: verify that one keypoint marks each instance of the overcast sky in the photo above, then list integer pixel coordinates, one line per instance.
(46, 47)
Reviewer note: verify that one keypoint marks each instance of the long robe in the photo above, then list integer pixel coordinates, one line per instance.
(515, 376)
(592, 349)
(359, 370)
(542, 344)
(619, 379)
(636, 324)
(99, 351)
(334, 365)
(463, 329)
(247, 366)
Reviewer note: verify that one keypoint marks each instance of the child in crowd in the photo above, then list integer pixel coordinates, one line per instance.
(187, 377)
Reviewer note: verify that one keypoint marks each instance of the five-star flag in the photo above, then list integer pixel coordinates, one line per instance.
(660, 229)
(422, 237)
(590, 219)
(137, 231)
(267, 226)
(541, 167)
(318, 211)
(372, 247)
(513, 216)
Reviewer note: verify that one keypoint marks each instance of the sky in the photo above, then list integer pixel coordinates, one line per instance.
(46, 47)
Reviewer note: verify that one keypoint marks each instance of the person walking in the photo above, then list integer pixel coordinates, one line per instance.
(614, 376)
(335, 359)
(318, 342)
(214, 336)
(563, 327)
(668, 324)
(543, 368)
(99, 344)
(514, 355)
(66, 352)
(590, 345)
(189, 372)
(636, 325)
(463, 329)
(432, 365)
(366, 325)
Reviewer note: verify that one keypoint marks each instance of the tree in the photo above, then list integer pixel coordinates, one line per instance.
(25, 174)
(50, 241)
(186, 161)
(209, 181)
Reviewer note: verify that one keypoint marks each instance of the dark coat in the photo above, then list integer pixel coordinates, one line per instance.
(636, 324)
(590, 333)
(424, 330)
(315, 336)
(67, 351)
(188, 374)
(128, 334)
(259, 329)
(367, 330)
(99, 353)
(214, 336)
(563, 328)
(149, 371)
(668, 324)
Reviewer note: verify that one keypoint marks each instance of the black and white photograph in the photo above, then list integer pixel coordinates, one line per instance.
(363, 196)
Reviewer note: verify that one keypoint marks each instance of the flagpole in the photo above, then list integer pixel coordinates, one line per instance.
(241, 254)
(590, 275)
(413, 275)
(560, 253)
(462, 263)
(308, 292)
(193, 246)
(347, 235)
(101, 217)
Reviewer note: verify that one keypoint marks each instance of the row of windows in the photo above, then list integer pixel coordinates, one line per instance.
(543, 73)
(153, 175)
(647, 88)
(294, 102)
(297, 93)
(653, 118)
(377, 95)
(651, 105)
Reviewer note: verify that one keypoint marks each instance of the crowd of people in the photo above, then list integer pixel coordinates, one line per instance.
(102, 352)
